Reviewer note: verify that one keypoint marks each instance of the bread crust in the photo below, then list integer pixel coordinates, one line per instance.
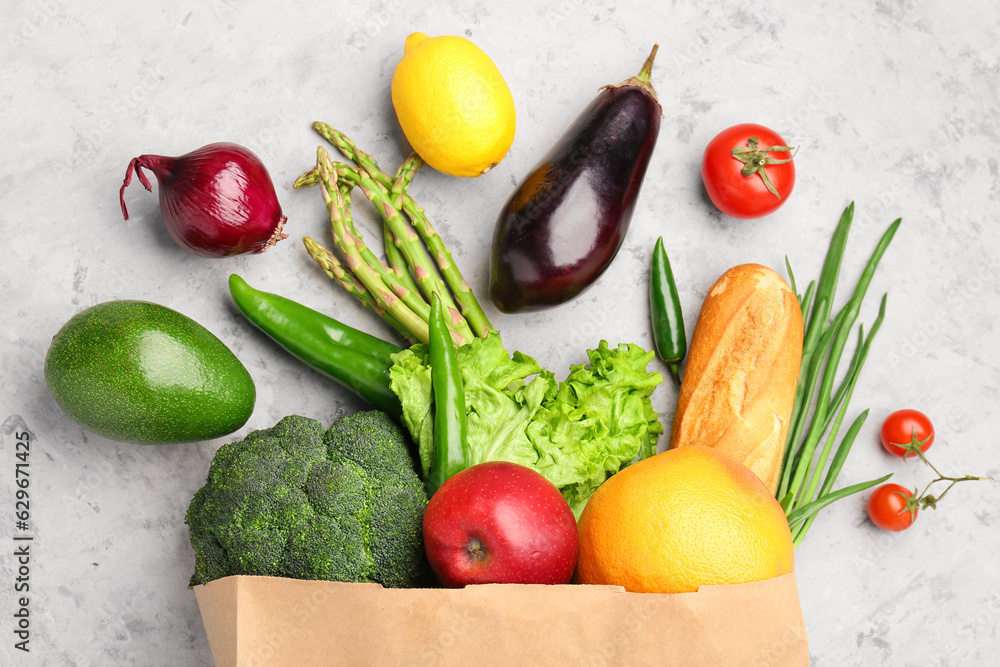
(742, 368)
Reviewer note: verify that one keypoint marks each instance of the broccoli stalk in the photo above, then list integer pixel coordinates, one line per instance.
(296, 501)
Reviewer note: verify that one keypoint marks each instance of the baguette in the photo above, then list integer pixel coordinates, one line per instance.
(739, 383)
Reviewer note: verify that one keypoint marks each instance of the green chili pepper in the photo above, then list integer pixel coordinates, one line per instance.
(665, 313)
(356, 360)
(450, 445)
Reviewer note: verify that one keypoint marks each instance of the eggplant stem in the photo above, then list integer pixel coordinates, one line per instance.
(647, 67)
(642, 79)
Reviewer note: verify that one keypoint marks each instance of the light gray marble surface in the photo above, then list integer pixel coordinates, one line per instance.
(893, 103)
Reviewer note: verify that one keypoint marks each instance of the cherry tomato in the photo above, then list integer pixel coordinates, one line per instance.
(738, 185)
(901, 427)
(887, 508)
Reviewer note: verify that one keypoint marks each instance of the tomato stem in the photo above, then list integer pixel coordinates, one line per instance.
(911, 504)
(915, 447)
(925, 500)
(754, 160)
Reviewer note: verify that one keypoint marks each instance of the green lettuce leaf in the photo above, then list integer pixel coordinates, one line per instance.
(575, 433)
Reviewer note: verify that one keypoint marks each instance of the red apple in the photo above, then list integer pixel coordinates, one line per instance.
(500, 522)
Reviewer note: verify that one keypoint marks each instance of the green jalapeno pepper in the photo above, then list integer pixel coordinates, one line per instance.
(450, 444)
(665, 313)
(356, 360)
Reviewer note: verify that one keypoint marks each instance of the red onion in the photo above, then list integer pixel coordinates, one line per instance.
(217, 201)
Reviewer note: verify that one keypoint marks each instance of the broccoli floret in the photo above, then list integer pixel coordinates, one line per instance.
(345, 504)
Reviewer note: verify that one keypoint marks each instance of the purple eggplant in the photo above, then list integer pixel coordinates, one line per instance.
(566, 221)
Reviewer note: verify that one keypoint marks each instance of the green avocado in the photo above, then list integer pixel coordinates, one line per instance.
(140, 372)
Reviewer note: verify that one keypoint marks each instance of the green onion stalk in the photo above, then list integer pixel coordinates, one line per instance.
(416, 267)
(811, 462)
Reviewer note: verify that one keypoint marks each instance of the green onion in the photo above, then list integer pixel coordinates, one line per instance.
(819, 410)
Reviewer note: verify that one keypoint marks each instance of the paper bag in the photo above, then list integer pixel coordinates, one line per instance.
(258, 621)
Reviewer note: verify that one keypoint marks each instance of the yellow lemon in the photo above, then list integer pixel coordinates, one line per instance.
(453, 104)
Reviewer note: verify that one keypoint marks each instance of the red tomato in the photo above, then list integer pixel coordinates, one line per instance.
(747, 196)
(901, 427)
(887, 507)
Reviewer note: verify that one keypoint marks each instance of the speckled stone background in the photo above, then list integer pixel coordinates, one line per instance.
(893, 103)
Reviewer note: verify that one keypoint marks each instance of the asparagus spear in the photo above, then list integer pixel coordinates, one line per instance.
(404, 176)
(340, 275)
(348, 243)
(463, 293)
(396, 260)
(410, 251)
(427, 278)
(410, 297)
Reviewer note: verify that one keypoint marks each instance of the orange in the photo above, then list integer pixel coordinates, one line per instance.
(453, 104)
(685, 518)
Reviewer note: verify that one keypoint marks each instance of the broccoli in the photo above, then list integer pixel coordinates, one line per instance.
(296, 501)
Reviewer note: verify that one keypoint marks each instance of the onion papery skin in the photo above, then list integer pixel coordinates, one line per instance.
(216, 201)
